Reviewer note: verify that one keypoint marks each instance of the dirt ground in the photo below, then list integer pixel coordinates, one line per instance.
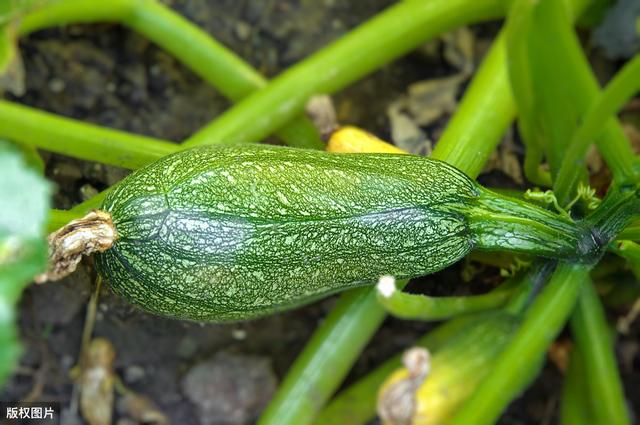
(108, 75)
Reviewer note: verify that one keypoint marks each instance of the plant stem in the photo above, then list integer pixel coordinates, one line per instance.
(363, 319)
(515, 366)
(326, 359)
(628, 250)
(216, 64)
(617, 210)
(421, 307)
(631, 232)
(390, 34)
(503, 223)
(592, 336)
(619, 90)
(575, 407)
(80, 140)
(555, 87)
(482, 118)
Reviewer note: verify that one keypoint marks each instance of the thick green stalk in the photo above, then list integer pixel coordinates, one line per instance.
(628, 250)
(361, 320)
(387, 36)
(593, 340)
(503, 223)
(576, 407)
(326, 359)
(631, 232)
(78, 139)
(482, 118)
(619, 90)
(620, 207)
(515, 366)
(216, 64)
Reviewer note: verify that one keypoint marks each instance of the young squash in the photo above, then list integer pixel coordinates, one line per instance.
(231, 233)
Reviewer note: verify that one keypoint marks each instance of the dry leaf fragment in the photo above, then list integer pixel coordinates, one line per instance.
(405, 133)
(432, 99)
(459, 49)
(559, 353)
(323, 114)
(141, 409)
(97, 382)
(506, 160)
(94, 232)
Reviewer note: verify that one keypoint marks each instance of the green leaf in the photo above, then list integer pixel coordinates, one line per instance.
(23, 249)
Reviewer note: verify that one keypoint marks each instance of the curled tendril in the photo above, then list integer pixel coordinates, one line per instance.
(547, 197)
(518, 264)
(584, 192)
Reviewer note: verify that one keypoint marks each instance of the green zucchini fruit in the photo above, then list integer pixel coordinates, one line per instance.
(231, 233)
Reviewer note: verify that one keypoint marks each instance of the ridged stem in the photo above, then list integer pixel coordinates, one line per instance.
(593, 339)
(575, 406)
(632, 231)
(503, 223)
(617, 210)
(78, 139)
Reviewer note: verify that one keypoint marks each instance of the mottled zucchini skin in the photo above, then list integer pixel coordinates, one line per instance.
(231, 233)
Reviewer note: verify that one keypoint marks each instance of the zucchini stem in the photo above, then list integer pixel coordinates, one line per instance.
(502, 223)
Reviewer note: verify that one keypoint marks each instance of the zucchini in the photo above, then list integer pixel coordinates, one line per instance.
(231, 233)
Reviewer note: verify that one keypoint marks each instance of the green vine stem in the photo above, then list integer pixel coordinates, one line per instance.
(77, 139)
(326, 359)
(421, 307)
(476, 116)
(575, 407)
(617, 210)
(216, 64)
(593, 340)
(619, 90)
(390, 34)
(502, 222)
(631, 232)
(480, 120)
(630, 251)
(515, 366)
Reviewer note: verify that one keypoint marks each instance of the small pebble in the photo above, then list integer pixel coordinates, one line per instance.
(230, 389)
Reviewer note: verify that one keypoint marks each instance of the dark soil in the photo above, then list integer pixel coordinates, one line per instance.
(108, 75)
